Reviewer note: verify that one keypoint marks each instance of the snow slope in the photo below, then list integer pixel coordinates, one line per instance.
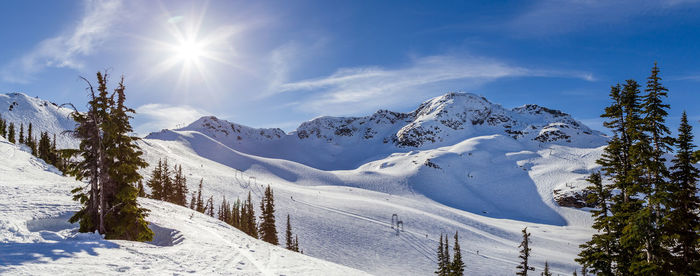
(345, 216)
(36, 239)
(18, 108)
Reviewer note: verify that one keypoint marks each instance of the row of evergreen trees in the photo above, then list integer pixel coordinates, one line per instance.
(647, 214)
(241, 215)
(167, 185)
(43, 148)
(108, 161)
(445, 266)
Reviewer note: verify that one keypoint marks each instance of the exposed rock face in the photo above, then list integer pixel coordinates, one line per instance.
(572, 198)
(217, 128)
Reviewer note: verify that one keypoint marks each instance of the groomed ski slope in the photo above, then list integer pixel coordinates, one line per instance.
(345, 216)
(36, 239)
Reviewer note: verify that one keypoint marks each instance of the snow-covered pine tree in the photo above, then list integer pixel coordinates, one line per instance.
(546, 271)
(296, 245)
(210, 206)
(11, 133)
(236, 214)
(180, 185)
(442, 269)
(167, 181)
(267, 228)
(31, 142)
(155, 183)
(125, 219)
(288, 235)
(199, 207)
(457, 265)
(21, 133)
(683, 221)
(109, 162)
(524, 267)
(251, 225)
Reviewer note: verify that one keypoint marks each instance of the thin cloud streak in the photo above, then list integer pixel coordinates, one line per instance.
(164, 116)
(65, 50)
(362, 88)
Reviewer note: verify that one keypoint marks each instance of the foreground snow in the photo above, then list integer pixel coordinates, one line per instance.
(36, 239)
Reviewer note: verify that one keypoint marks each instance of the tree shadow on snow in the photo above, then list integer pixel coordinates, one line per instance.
(61, 242)
(44, 252)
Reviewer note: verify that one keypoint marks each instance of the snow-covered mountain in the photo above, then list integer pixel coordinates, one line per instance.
(456, 163)
(349, 142)
(18, 108)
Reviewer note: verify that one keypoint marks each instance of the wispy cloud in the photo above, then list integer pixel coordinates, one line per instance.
(553, 17)
(161, 116)
(352, 90)
(65, 50)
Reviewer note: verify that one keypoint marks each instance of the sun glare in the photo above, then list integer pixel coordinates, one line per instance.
(189, 51)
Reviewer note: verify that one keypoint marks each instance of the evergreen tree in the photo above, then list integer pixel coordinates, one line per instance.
(267, 228)
(288, 235)
(2, 127)
(180, 185)
(598, 251)
(21, 133)
(155, 183)
(236, 214)
(546, 270)
(125, 219)
(446, 257)
(524, 267)
(110, 160)
(11, 133)
(193, 201)
(457, 266)
(248, 221)
(442, 266)
(167, 182)
(31, 142)
(44, 149)
(200, 203)
(142, 193)
(210, 206)
(683, 220)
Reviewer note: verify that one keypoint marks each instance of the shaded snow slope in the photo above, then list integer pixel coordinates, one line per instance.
(18, 108)
(36, 239)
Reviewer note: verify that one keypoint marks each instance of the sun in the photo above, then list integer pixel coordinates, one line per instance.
(189, 51)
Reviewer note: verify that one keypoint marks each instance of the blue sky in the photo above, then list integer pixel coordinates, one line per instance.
(279, 63)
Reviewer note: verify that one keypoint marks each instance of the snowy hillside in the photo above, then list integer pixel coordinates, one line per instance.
(18, 108)
(36, 239)
(456, 163)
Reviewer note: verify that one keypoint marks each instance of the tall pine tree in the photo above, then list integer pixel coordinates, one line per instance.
(524, 266)
(457, 266)
(110, 160)
(683, 222)
(267, 228)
